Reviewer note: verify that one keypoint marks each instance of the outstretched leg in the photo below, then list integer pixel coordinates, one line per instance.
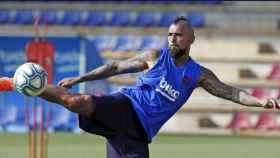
(75, 102)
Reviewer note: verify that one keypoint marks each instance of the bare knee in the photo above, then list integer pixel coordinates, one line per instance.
(80, 103)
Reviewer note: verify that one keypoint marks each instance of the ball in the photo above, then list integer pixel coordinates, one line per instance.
(30, 79)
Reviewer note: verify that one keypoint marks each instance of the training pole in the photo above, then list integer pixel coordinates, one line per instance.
(41, 52)
(27, 123)
(42, 131)
(34, 107)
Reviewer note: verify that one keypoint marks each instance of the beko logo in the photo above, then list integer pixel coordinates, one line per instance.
(167, 90)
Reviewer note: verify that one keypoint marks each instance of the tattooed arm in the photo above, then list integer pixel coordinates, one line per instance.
(138, 63)
(210, 82)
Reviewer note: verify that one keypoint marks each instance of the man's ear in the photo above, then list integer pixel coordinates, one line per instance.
(193, 36)
(193, 39)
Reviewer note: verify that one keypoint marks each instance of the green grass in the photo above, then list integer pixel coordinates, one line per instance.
(63, 145)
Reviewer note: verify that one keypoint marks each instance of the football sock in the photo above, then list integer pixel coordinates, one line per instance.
(6, 84)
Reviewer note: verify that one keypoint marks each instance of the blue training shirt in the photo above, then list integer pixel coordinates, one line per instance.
(162, 91)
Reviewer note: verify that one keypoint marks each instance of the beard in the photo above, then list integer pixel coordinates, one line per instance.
(175, 51)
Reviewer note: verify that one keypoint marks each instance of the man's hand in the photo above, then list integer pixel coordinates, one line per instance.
(68, 82)
(272, 103)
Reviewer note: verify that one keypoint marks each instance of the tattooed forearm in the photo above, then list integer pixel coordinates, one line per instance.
(249, 100)
(219, 89)
(101, 72)
(244, 98)
(236, 96)
(213, 85)
(132, 65)
(114, 68)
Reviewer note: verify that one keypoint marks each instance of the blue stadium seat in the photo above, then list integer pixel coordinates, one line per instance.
(152, 42)
(60, 119)
(128, 43)
(4, 16)
(104, 42)
(7, 115)
(73, 124)
(167, 18)
(23, 17)
(146, 19)
(96, 18)
(18, 124)
(197, 19)
(71, 18)
(50, 16)
(120, 18)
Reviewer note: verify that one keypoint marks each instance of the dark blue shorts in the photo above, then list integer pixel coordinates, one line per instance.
(115, 119)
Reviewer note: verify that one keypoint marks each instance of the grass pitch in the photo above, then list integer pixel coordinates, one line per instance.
(64, 145)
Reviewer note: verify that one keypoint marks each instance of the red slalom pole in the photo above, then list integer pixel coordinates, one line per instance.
(34, 128)
(48, 117)
(42, 145)
(27, 123)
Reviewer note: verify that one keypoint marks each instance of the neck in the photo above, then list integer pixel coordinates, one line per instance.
(183, 59)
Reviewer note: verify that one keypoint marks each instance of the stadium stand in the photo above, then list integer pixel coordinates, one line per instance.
(268, 120)
(7, 116)
(104, 42)
(61, 120)
(23, 17)
(51, 17)
(19, 118)
(96, 18)
(240, 121)
(197, 19)
(71, 18)
(146, 19)
(167, 18)
(127, 43)
(275, 72)
(120, 18)
(4, 16)
(265, 120)
(152, 41)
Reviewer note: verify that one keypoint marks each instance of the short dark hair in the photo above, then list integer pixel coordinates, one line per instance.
(180, 18)
(184, 19)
